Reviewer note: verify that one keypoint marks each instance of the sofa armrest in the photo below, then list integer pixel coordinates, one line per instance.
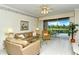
(13, 48)
(32, 49)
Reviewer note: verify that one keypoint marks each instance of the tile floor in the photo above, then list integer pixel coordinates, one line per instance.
(58, 45)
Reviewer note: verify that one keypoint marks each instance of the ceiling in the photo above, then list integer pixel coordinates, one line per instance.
(34, 9)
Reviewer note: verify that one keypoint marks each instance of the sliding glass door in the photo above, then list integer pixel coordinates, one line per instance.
(57, 25)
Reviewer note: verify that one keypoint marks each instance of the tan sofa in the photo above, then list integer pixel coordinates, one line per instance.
(18, 49)
(27, 36)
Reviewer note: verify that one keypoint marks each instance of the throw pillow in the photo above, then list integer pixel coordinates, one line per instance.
(21, 36)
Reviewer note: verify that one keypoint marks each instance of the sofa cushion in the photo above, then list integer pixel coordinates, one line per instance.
(19, 36)
(29, 34)
(19, 41)
(26, 35)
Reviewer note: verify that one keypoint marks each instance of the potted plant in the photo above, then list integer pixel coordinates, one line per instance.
(72, 31)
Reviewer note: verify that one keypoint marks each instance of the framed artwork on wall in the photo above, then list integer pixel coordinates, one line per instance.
(24, 25)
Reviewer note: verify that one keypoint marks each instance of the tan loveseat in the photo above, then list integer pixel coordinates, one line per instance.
(17, 49)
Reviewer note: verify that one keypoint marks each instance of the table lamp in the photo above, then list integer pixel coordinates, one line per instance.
(10, 33)
(37, 30)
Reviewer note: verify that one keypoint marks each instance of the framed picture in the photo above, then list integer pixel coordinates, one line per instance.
(24, 25)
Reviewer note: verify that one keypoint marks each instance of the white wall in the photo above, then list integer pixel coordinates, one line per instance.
(12, 20)
(77, 16)
(77, 22)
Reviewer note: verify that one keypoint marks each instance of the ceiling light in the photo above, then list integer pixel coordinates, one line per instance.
(44, 9)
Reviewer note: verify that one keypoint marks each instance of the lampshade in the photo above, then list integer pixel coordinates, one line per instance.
(45, 34)
(9, 33)
(37, 28)
(9, 30)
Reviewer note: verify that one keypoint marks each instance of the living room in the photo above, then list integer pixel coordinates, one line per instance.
(14, 16)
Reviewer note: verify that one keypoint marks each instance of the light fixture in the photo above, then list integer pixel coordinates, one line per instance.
(9, 34)
(37, 29)
(9, 30)
(44, 9)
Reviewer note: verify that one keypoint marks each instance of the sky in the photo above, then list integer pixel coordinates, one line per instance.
(60, 22)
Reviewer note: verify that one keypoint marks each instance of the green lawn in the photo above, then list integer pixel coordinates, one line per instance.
(58, 29)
